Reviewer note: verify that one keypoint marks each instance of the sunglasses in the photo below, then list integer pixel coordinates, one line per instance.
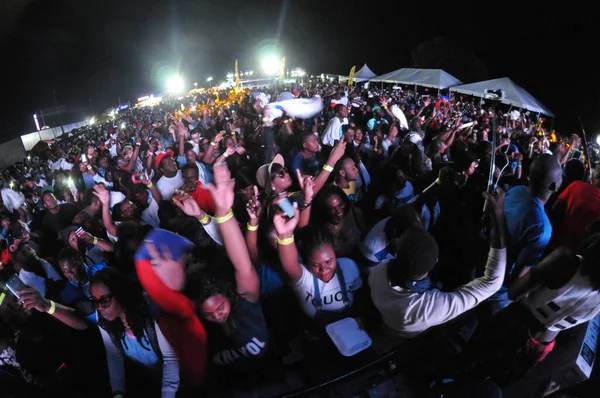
(282, 173)
(104, 301)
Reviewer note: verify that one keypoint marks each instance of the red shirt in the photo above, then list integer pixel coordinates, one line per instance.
(204, 199)
(582, 207)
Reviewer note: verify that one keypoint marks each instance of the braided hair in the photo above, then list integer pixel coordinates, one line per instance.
(129, 296)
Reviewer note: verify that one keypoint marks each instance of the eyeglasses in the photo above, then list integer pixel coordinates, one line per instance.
(282, 173)
(104, 301)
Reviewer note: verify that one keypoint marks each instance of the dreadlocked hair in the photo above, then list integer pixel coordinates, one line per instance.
(590, 262)
(129, 295)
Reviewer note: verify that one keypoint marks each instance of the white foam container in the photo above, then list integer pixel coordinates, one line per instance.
(348, 337)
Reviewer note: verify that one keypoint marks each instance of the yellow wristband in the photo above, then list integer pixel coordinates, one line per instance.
(95, 240)
(251, 227)
(149, 186)
(328, 168)
(212, 143)
(227, 217)
(225, 154)
(285, 242)
(52, 308)
(2, 296)
(204, 219)
(89, 167)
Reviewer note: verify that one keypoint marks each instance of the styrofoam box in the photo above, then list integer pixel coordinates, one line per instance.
(348, 337)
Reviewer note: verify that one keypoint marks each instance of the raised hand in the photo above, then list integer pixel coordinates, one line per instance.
(285, 226)
(307, 185)
(102, 194)
(188, 205)
(337, 153)
(32, 299)
(254, 206)
(496, 204)
(219, 136)
(383, 101)
(171, 272)
(222, 190)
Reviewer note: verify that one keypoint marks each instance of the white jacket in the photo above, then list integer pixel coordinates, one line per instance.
(407, 314)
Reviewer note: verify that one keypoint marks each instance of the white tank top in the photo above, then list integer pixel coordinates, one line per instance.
(574, 303)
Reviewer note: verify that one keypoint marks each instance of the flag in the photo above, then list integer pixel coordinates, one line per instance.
(351, 75)
(282, 69)
(237, 76)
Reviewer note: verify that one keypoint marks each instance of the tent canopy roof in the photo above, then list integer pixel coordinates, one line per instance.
(514, 94)
(435, 78)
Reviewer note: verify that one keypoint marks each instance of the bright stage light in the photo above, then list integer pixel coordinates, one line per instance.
(270, 65)
(598, 139)
(175, 84)
(92, 120)
(209, 79)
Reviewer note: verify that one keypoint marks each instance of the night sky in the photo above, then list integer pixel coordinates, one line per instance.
(102, 50)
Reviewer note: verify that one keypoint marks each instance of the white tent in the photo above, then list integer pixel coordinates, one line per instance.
(514, 94)
(435, 78)
(362, 75)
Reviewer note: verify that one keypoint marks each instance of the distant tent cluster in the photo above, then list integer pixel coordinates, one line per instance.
(514, 94)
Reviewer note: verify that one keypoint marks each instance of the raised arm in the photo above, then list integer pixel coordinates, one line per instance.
(334, 157)
(307, 186)
(209, 157)
(104, 196)
(135, 156)
(254, 208)
(32, 299)
(288, 253)
(223, 194)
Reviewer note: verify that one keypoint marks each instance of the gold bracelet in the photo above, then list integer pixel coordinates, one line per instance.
(149, 186)
(251, 227)
(328, 168)
(204, 219)
(212, 143)
(52, 308)
(95, 240)
(227, 217)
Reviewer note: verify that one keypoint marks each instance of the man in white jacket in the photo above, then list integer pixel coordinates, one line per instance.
(409, 302)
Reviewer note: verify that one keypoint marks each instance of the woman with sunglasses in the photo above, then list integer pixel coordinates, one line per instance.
(130, 331)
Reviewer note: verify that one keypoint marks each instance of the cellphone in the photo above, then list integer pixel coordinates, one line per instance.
(137, 179)
(286, 206)
(84, 158)
(79, 232)
(15, 284)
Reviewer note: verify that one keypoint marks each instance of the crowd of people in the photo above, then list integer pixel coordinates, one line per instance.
(207, 244)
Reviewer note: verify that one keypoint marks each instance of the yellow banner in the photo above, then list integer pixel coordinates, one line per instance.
(282, 69)
(237, 76)
(351, 76)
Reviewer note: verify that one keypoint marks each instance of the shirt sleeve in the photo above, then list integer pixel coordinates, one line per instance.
(533, 250)
(330, 134)
(170, 374)
(181, 160)
(115, 362)
(213, 231)
(438, 307)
